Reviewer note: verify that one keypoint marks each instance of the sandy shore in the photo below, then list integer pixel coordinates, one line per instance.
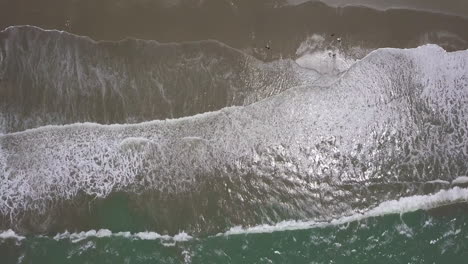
(449, 7)
(267, 29)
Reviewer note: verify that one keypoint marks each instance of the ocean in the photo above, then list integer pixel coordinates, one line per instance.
(233, 131)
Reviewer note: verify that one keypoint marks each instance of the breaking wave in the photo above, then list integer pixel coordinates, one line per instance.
(400, 206)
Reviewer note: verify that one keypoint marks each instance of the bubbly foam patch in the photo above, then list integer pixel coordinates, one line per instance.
(400, 206)
(10, 234)
(460, 180)
(103, 233)
(148, 235)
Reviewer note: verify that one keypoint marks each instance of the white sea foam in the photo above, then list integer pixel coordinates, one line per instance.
(10, 234)
(102, 233)
(439, 181)
(76, 237)
(403, 205)
(182, 237)
(134, 141)
(151, 236)
(460, 180)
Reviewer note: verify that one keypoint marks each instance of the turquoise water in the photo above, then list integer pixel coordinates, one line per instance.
(439, 236)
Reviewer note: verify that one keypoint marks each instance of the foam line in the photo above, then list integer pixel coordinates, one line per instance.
(103, 233)
(400, 206)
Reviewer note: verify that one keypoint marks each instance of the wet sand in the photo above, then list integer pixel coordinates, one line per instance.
(266, 29)
(449, 7)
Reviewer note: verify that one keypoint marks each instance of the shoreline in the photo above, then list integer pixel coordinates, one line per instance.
(267, 33)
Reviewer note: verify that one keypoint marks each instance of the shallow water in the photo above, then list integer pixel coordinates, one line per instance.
(416, 237)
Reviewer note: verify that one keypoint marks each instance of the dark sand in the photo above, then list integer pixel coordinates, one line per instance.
(248, 25)
(449, 7)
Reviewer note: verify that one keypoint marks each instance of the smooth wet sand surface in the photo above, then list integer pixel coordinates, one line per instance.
(451, 7)
(265, 29)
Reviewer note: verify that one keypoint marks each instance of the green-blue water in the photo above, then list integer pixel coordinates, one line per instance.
(417, 237)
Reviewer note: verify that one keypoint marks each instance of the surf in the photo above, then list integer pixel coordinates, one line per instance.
(367, 137)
